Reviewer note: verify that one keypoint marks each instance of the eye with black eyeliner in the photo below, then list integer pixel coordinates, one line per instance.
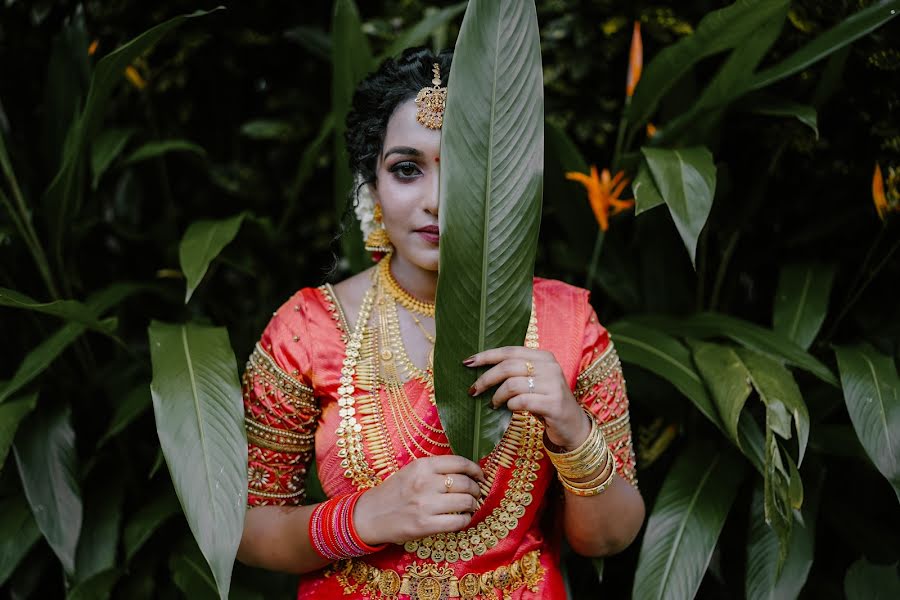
(405, 170)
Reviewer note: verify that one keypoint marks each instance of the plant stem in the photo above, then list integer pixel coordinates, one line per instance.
(23, 224)
(595, 257)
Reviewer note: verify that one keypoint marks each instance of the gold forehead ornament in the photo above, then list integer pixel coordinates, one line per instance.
(431, 101)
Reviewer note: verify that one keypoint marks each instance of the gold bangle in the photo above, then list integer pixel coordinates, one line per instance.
(581, 451)
(601, 476)
(585, 459)
(591, 491)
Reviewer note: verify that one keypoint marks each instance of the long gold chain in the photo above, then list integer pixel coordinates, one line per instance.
(406, 300)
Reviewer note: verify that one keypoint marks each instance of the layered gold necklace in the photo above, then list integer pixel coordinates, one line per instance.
(375, 358)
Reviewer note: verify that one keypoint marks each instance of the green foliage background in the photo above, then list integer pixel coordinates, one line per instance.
(231, 123)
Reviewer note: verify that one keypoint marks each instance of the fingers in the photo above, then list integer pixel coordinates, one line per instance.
(448, 522)
(460, 484)
(454, 503)
(451, 464)
(516, 386)
(534, 403)
(495, 355)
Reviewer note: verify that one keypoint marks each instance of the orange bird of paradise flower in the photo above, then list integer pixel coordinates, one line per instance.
(603, 193)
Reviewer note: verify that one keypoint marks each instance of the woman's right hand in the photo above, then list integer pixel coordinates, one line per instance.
(414, 502)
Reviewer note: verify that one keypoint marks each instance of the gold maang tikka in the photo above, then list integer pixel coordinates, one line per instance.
(431, 102)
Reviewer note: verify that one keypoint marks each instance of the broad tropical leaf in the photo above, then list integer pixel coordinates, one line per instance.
(200, 422)
(63, 197)
(750, 335)
(801, 301)
(779, 392)
(160, 147)
(763, 581)
(685, 524)
(201, 244)
(646, 194)
(351, 62)
(728, 381)
(686, 180)
(99, 538)
(779, 107)
(97, 587)
(492, 157)
(70, 310)
(865, 581)
(718, 31)
(106, 148)
(872, 393)
(18, 533)
(668, 358)
(45, 455)
(11, 414)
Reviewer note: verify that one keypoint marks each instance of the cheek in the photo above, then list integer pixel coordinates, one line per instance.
(397, 202)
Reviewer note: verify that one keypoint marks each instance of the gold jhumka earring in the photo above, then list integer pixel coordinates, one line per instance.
(378, 240)
(431, 102)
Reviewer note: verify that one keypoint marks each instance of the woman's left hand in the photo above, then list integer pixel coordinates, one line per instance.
(532, 380)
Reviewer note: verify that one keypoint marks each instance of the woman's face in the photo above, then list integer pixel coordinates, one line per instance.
(407, 187)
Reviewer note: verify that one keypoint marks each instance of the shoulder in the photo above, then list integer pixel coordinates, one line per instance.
(559, 296)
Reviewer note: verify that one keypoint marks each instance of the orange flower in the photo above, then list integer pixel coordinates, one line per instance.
(603, 193)
(651, 130)
(886, 202)
(92, 49)
(635, 60)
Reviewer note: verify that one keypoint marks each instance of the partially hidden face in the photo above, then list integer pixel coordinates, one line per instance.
(407, 177)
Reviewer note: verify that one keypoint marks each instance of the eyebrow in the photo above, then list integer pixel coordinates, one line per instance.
(405, 150)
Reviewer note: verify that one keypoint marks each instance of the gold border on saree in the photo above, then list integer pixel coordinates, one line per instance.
(431, 582)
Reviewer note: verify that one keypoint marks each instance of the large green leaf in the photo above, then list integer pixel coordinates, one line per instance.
(45, 353)
(718, 31)
(201, 244)
(106, 148)
(801, 301)
(845, 32)
(750, 335)
(11, 414)
(865, 581)
(646, 194)
(351, 62)
(492, 158)
(763, 581)
(101, 530)
(773, 106)
(18, 533)
(70, 310)
(45, 455)
(728, 381)
(686, 180)
(685, 524)
(97, 587)
(416, 34)
(200, 422)
(872, 392)
(667, 357)
(63, 197)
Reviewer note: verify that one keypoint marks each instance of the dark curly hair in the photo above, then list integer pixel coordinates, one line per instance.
(379, 94)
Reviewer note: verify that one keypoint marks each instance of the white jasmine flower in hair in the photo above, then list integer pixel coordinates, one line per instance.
(365, 205)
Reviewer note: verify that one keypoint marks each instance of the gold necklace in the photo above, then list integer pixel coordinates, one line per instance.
(406, 300)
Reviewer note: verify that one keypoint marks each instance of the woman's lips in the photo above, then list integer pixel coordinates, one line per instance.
(430, 233)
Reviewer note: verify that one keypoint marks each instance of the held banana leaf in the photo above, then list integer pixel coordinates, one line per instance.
(492, 156)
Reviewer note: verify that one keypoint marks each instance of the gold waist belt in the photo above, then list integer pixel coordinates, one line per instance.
(431, 582)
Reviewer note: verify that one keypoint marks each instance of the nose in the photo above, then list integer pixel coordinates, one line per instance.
(431, 202)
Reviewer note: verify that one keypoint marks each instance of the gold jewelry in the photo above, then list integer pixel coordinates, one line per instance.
(529, 368)
(406, 300)
(431, 102)
(448, 483)
(588, 489)
(378, 240)
(585, 459)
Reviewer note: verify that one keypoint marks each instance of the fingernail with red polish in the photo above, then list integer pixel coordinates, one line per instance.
(468, 362)
(472, 390)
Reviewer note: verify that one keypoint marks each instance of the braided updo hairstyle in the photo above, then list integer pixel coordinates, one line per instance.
(396, 80)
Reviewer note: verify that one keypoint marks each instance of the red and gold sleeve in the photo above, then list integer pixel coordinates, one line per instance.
(600, 387)
(280, 415)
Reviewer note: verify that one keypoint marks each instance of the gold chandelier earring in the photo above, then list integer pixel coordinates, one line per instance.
(378, 240)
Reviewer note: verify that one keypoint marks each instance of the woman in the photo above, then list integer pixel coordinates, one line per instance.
(344, 372)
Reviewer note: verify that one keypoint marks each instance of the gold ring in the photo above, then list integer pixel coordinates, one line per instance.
(529, 368)
(448, 483)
